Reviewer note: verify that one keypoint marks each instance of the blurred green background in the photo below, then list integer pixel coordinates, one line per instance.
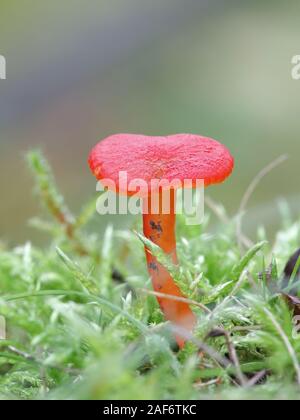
(78, 71)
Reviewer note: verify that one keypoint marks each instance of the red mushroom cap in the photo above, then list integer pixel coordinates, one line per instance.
(180, 156)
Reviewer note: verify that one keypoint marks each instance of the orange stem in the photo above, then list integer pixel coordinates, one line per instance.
(160, 229)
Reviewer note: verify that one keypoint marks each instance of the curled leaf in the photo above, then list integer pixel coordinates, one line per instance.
(292, 273)
(294, 303)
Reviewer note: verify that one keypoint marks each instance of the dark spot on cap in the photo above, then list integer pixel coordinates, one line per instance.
(153, 266)
(156, 226)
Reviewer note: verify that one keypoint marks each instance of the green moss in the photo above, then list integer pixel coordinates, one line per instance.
(76, 330)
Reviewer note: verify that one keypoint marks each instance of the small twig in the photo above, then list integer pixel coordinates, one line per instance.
(233, 356)
(242, 329)
(176, 298)
(235, 359)
(215, 209)
(185, 334)
(258, 377)
(224, 219)
(201, 385)
(21, 354)
(250, 190)
(238, 302)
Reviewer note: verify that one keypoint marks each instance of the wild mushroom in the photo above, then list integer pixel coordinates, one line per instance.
(181, 156)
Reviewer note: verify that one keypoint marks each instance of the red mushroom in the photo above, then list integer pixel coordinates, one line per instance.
(181, 156)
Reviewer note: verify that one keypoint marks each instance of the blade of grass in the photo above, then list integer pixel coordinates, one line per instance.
(240, 267)
(88, 297)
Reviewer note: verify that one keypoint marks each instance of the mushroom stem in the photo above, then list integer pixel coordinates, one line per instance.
(160, 229)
